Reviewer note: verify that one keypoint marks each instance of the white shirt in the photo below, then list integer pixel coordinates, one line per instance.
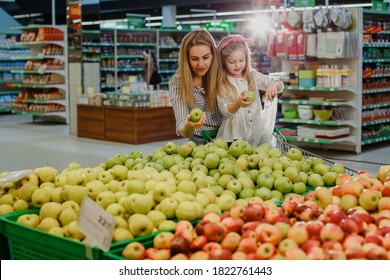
(246, 122)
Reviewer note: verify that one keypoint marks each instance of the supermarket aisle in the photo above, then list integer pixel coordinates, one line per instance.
(25, 144)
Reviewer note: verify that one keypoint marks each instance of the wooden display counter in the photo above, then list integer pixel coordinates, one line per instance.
(126, 125)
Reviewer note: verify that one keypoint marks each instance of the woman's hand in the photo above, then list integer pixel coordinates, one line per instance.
(198, 123)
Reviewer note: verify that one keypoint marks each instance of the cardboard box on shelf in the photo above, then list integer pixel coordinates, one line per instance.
(96, 99)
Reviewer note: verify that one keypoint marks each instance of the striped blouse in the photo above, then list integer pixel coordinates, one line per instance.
(181, 110)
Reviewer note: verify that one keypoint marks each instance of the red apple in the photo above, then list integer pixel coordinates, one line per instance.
(355, 254)
(310, 244)
(247, 245)
(231, 241)
(336, 255)
(386, 191)
(342, 178)
(180, 256)
(384, 203)
(332, 245)
(221, 254)
(353, 241)
(198, 243)
(267, 233)
(199, 228)
(211, 217)
(199, 255)
(331, 232)
(285, 245)
(377, 253)
(348, 225)
(233, 224)
(237, 211)
(265, 251)
(180, 244)
(273, 215)
(253, 213)
(386, 242)
(336, 217)
(215, 231)
(288, 207)
(296, 253)
(298, 233)
(211, 246)
(353, 187)
(316, 253)
(332, 208)
(238, 256)
(314, 228)
(249, 226)
(336, 191)
(373, 239)
(307, 215)
(188, 234)
(298, 199)
(183, 225)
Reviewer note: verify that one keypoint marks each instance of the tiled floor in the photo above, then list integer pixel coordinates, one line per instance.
(25, 144)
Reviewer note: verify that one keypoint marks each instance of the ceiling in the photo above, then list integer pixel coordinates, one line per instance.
(114, 9)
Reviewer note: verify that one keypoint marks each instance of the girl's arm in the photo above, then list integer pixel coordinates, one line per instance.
(229, 108)
(271, 86)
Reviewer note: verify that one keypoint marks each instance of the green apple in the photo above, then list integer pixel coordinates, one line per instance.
(329, 178)
(200, 180)
(67, 216)
(253, 174)
(226, 168)
(212, 207)
(140, 225)
(264, 193)
(265, 180)
(162, 190)
(134, 186)
(369, 199)
(283, 184)
(348, 201)
(119, 172)
(89, 174)
(114, 186)
(277, 173)
(209, 193)
(116, 209)
(211, 161)
(105, 198)
(50, 209)
(112, 161)
(185, 150)
(40, 197)
(157, 217)
(321, 168)
(95, 187)
(167, 225)
(299, 188)
(8, 198)
(196, 114)
(247, 193)
(76, 193)
(220, 143)
(46, 173)
(249, 96)
(187, 210)
(275, 152)
(292, 173)
(294, 154)
(28, 220)
(105, 176)
(304, 176)
(217, 189)
(225, 179)
(246, 182)
(134, 154)
(315, 180)
(225, 202)
(338, 168)
(235, 186)
(236, 149)
(187, 186)
(277, 194)
(170, 148)
(75, 177)
(304, 166)
(315, 161)
(140, 203)
(47, 223)
(184, 174)
(168, 207)
(21, 204)
(221, 152)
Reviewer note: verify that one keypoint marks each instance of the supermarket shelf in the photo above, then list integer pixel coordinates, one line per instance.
(309, 102)
(378, 76)
(34, 101)
(8, 81)
(39, 43)
(37, 57)
(369, 60)
(59, 113)
(130, 69)
(91, 60)
(375, 12)
(131, 56)
(9, 70)
(20, 85)
(377, 90)
(320, 88)
(377, 45)
(373, 106)
(318, 122)
(107, 69)
(136, 44)
(8, 92)
(167, 71)
(375, 122)
(169, 47)
(320, 140)
(162, 60)
(57, 71)
(375, 140)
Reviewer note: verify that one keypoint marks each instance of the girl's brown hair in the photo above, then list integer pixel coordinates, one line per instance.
(228, 89)
(210, 80)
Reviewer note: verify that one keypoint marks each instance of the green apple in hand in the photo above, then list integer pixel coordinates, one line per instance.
(196, 114)
(249, 96)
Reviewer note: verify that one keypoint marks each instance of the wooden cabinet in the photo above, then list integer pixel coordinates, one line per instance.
(126, 125)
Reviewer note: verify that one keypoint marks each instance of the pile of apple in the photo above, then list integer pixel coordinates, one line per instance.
(318, 226)
(147, 193)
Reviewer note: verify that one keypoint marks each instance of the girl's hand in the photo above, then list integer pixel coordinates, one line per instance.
(241, 101)
(271, 91)
(198, 123)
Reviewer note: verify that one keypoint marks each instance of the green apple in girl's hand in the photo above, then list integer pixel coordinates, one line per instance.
(249, 96)
(196, 114)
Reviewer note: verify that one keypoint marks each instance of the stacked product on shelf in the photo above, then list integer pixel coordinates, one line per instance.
(44, 87)
(375, 77)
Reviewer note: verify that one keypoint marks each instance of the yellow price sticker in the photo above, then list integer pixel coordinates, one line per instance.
(125, 89)
(79, 90)
(90, 90)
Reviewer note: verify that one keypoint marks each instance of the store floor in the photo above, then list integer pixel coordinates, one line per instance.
(25, 144)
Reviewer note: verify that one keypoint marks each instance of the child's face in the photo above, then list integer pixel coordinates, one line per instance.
(235, 63)
(200, 58)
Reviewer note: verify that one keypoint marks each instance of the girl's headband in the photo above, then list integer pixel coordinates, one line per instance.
(235, 39)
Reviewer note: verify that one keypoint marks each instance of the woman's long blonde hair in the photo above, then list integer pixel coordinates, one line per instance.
(210, 80)
(228, 90)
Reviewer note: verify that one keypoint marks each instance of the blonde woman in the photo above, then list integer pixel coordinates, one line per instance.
(195, 85)
(243, 119)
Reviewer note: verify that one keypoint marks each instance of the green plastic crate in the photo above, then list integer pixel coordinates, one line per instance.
(32, 244)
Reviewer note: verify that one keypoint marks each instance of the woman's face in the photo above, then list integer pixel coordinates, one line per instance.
(200, 58)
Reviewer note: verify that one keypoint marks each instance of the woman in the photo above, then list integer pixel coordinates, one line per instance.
(195, 85)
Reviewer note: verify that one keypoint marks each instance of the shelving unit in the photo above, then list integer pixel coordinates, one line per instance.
(7, 64)
(44, 92)
(376, 77)
(321, 97)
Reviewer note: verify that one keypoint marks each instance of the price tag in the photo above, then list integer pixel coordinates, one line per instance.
(97, 224)
(90, 90)
(79, 90)
(125, 89)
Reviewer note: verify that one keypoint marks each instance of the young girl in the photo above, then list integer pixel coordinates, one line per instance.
(242, 117)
